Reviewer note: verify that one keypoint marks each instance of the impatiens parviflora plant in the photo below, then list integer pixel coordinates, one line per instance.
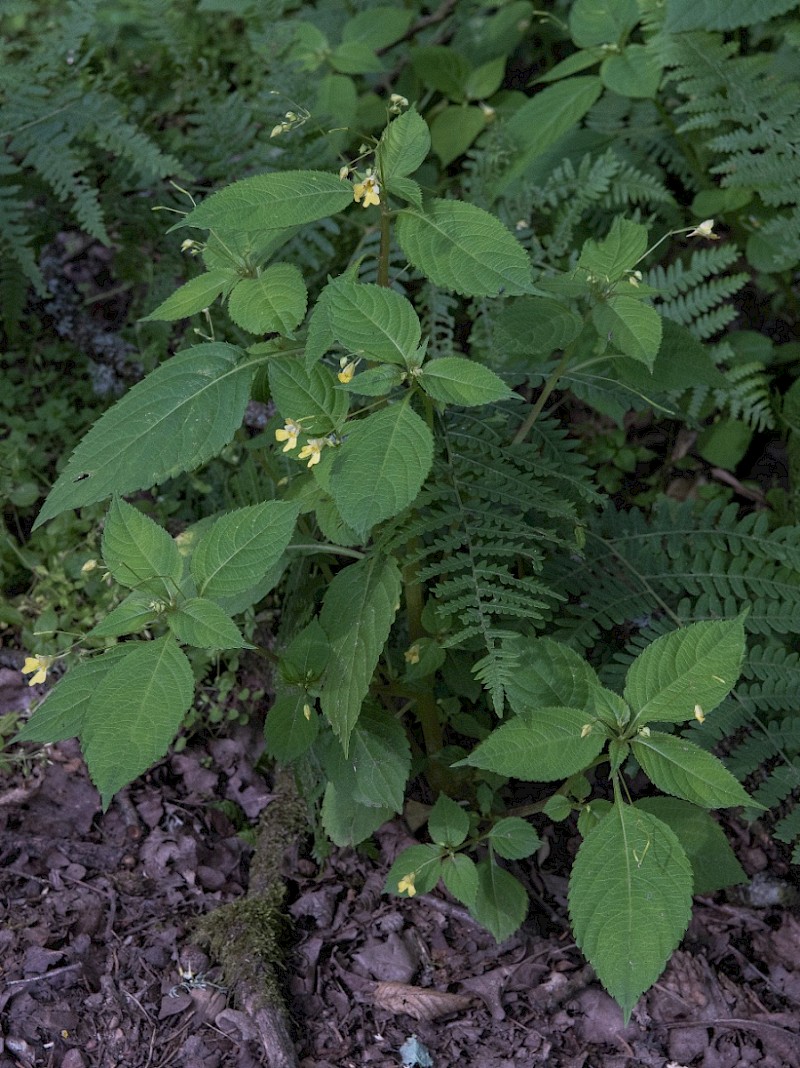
(398, 621)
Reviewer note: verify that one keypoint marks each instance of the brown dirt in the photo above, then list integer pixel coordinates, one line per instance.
(97, 912)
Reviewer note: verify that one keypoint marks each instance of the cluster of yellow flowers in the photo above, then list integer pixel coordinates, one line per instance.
(311, 451)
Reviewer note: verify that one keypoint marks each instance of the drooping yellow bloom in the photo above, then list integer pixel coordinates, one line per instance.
(289, 432)
(699, 714)
(37, 667)
(411, 654)
(368, 191)
(347, 371)
(312, 450)
(705, 229)
(406, 884)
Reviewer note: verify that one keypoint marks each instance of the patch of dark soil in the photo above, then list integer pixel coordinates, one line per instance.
(99, 969)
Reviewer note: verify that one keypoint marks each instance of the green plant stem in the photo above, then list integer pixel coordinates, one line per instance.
(426, 709)
(319, 547)
(541, 400)
(386, 239)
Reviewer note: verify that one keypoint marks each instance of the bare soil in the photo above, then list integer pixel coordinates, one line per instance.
(99, 968)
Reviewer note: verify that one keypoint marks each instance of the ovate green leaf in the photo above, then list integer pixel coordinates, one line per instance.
(373, 321)
(274, 302)
(631, 326)
(501, 902)
(549, 673)
(513, 838)
(240, 548)
(139, 553)
(617, 253)
(289, 732)
(203, 624)
(630, 900)
(448, 823)
(696, 665)
(379, 759)
(462, 247)
(593, 23)
(307, 394)
(455, 380)
(540, 746)
(403, 146)
(271, 202)
(681, 768)
(536, 326)
(424, 862)
(194, 296)
(135, 712)
(357, 613)
(714, 865)
(133, 614)
(347, 823)
(635, 73)
(460, 876)
(380, 467)
(181, 415)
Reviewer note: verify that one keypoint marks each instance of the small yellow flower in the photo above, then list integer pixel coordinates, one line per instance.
(39, 666)
(635, 278)
(412, 655)
(312, 450)
(307, 711)
(406, 884)
(705, 229)
(344, 172)
(699, 714)
(348, 369)
(279, 129)
(398, 100)
(586, 730)
(289, 432)
(90, 565)
(368, 191)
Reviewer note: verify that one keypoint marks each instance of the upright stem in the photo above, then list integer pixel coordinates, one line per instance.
(386, 238)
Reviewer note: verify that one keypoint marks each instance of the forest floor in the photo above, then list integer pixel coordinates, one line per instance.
(98, 968)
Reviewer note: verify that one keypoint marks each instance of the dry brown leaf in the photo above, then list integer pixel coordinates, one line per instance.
(421, 1003)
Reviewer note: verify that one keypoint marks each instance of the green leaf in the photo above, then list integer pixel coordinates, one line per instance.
(271, 202)
(573, 64)
(347, 823)
(353, 57)
(454, 129)
(609, 22)
(632, 327)
(376, 382)
(724, 443)
(513, 838)
(178, 417)
(423, 861)
(307, 394)
(203, 624)
(379, 760)
(462, 247)
(682, 363)
(683, 769)
(403, 146)
(485, 80)
(460, 876)
(536, 325)
(274, 302)
(636, 73)
(630, 900)
(373, 321)
(130, 616)
(406, 189)
(378, 27)
(684, 15)
(195, 296)
(380, 467)
(139, 553)
(696, 665)
(358, 610)
(455, 380)
(501, 902)
(288, 732)
(62, 712)
(135, 712)
(714, 865)
(549, 673)
(539, 746)
(543, 119)
(443, 69)
(448, 823)
(306, 656)
(240, 548)
(617, 253)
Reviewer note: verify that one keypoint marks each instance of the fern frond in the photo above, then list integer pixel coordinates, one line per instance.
(694, 294)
